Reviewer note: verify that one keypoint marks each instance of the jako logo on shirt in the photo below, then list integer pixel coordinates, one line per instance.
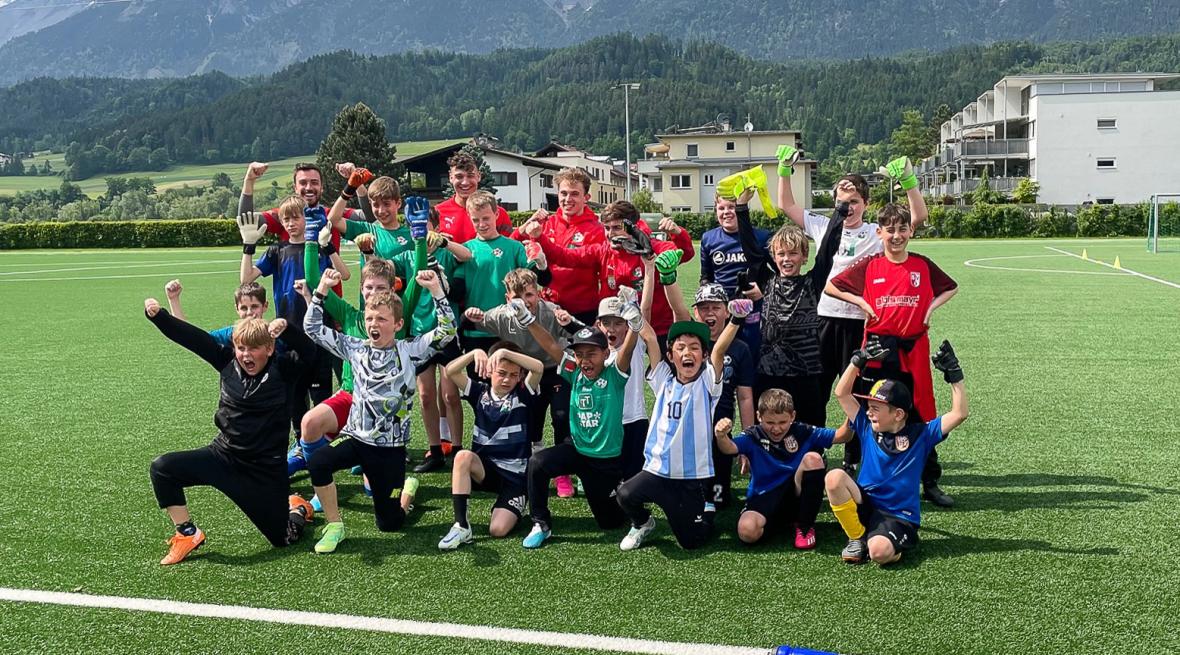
(720, 258)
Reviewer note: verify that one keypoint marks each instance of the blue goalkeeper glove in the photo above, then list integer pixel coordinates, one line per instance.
(315, 219)
(418, 216)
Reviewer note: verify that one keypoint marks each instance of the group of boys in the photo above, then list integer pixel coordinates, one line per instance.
(561, 315)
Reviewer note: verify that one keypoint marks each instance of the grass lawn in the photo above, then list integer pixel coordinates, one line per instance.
(1061, 540)
(177, 176)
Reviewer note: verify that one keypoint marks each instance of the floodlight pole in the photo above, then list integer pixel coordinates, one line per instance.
(627, 86)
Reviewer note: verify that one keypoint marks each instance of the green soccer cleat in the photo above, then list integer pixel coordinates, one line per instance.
(332, 536)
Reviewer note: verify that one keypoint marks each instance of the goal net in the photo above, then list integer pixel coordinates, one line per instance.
(1163, 223)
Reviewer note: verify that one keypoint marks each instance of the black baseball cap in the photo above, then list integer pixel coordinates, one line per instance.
(589, 337)
(890, 392)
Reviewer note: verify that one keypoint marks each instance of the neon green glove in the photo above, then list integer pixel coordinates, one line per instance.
(902, 170)
(786, 156)
(666, 263)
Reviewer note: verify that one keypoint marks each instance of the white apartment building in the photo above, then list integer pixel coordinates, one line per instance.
(1100, 138)
(608, 179)
(683, 168)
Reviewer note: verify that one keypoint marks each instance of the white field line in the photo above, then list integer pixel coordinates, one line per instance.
(560, 640)
(1111, 266)
(117, 265)
(187, 274)
(974, 264)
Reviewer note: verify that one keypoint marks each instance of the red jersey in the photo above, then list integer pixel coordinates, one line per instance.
(454, 221)
(615, 269)
(275, 227)
(901, 294)
(576, 287)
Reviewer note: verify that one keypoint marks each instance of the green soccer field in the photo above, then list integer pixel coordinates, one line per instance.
(1062, 539)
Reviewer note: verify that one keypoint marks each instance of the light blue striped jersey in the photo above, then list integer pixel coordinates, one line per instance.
(680, 439)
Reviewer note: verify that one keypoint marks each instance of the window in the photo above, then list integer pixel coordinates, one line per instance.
(692, 150)
(509, 206)
(1104, 201)
(1132, 86)
(1107, 163)
(1077, 87)
(681, 181)
(1107, 123)
(657, 185)
(546, 181)
(707, 180)
(709, 208)
(502, 178)
(730, 146)
(681, 210)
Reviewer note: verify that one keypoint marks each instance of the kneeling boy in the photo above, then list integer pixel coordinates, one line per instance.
(501, 443)
(879, 510)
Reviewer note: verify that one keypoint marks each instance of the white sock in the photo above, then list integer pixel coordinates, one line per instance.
(444, 429)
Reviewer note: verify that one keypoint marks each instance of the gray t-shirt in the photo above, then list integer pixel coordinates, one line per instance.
(501, 321)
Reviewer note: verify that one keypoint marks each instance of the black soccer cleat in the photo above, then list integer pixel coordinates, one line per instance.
(430, 464)
(934, 494)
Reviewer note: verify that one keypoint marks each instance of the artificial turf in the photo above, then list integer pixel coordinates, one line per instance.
(1062, 538)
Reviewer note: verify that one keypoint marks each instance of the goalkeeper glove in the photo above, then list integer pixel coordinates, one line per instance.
(946, 361)
(872, 351)
(252, 226)
(786, 156)
(666, 263)
(418, 216)
(315, 220)
(901, 171)
(359, 176)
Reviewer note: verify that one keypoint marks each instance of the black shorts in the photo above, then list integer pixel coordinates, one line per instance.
(838, 339)
(901, 533)
(510, 488)
(449, 353)
(780, 505)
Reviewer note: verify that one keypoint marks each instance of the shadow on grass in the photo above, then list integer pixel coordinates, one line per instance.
(954, 545)
(1051, 480)
(1022, 492)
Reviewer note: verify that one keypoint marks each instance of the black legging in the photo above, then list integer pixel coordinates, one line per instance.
(683, 502)
(261, 492)
(555, 393)
(385, 466)
(600, 478)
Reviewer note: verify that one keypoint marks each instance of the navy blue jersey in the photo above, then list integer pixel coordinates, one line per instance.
(739, 371)
(501, 425)
(722, 256)
(892, 463)
(283, 262)
(773, 464)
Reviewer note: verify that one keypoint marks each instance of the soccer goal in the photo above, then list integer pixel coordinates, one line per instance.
(1163, 223)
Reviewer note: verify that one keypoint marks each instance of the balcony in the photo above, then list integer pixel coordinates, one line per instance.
(992, 148)
(963, 186)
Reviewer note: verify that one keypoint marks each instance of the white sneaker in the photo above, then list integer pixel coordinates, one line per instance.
(457, 536)
(635, 537)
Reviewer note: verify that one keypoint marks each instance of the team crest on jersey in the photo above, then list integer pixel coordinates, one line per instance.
(600, 383)
(915, 279)
(611, 282)
(637, 273)
(578, 237)
(401, 241)
(791, 444)
(497, 253)
(902, 443)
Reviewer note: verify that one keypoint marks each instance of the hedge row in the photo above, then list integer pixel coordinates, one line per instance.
(979, 221)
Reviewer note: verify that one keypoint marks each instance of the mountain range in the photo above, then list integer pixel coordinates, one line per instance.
(175, 38)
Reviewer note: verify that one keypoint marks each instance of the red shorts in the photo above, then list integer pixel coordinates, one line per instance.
(339, 403)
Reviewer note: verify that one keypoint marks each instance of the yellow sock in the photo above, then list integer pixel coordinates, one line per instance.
(849, 519)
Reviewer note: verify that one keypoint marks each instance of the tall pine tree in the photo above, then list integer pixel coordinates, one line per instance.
(357, 136)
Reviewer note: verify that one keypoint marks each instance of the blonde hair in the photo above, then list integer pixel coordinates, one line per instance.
(789, 237)
(385, 299)
(292, 206)
(384, 188)
(380, 269)
(775, 401)
(481, 199)
(575, 175)
(519, 279)
(252, 333)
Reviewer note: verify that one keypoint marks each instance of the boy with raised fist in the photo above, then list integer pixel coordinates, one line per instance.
(879, 511)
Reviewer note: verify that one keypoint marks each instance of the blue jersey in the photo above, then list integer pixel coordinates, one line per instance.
(283, 262)
(738, 372)
(773, 464)
(224, 336)
(892, 463)
(501, 425)
(722, 256)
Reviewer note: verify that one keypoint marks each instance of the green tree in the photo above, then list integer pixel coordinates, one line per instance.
(941, 115)
(485, 171)
(982, 194)
(1026, 191)
(358, 136)
(912, 137)
(222, 179)
(644, 202)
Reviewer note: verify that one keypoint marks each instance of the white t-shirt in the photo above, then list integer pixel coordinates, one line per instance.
(680, 438)
(634, 401)
(854, 245)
